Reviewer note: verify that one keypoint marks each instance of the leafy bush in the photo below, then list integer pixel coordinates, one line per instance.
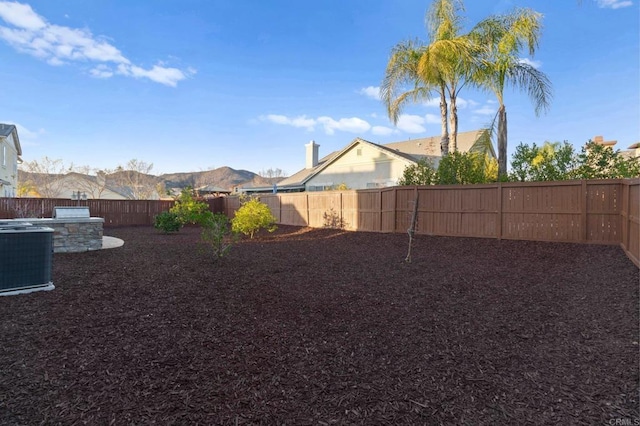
(421, 173)
(455, 168)
(217, 234)
(551, 161)
(602, 162)
(167, 222)
(555, 161)
(189, 210)
(467, 167)
(252, 216)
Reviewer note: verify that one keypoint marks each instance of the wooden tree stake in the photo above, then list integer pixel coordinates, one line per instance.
(412, 227)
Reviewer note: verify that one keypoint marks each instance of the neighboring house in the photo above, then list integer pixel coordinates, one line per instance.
(631, 152)
(10, 152)
(88, 187)
(363, 164)
(78, 185)
(208, 191)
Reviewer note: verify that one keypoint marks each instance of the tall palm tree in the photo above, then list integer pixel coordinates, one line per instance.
(501, 39)
(455, 54)
(416, 71)
(406, 82)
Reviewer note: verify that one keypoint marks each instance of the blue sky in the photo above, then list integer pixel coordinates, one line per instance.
(190, 85)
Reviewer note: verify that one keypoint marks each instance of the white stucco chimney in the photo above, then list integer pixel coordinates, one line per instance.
(312, 154)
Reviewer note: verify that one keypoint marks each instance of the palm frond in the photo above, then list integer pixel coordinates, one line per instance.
(535, 82)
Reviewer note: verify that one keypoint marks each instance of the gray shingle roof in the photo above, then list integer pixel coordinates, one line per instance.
(6, 130)
(431, 145)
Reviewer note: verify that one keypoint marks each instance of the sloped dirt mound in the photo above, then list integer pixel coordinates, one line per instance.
(316, 327)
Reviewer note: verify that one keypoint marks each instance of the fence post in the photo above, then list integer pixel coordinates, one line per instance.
(279, 207)
(415, 200)
(380, 209)
(307, 199)
(395, 209)
(583, 215)
(499, 218)
(626, 201)
(341, 207)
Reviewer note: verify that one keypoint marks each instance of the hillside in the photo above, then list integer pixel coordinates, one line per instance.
(222, 177)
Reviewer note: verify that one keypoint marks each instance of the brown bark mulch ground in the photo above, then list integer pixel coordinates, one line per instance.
(320, 327)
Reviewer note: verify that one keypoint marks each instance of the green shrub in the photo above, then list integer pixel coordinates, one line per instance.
(602, 162)
(167, 222)
(549, 162)
(189, 210)
(252, 216)
(421, 173)
(217, 234)
(460, 168)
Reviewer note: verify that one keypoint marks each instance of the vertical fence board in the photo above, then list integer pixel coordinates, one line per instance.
(630, 218)
(350, 210)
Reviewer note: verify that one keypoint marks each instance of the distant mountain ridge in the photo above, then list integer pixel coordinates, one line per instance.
(223, 177)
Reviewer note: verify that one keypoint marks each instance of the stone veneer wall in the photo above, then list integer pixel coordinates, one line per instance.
(73, 235)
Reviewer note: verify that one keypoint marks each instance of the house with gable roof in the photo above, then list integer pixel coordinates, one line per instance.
(10, 156)
(363, 164)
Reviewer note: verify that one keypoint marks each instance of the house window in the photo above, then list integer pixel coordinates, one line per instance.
(328, 186)
(381, 183)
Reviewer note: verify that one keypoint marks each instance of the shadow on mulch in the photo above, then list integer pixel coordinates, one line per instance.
(325, 327)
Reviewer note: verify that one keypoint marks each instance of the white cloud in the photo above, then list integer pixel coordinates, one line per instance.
(301, 121)
(381, 130)
(159, 74)
(329, 125)
(411, 123)
(614, 4)
(101, 71)
(57, 45)
(27, 137)
(371, 92)
(433, 119)
(485, 110)
(21, 16)
(352, 125)
(433, 102)
(531, 62)
(466, 103)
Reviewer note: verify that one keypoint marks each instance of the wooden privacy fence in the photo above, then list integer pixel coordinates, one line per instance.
(584, 211)
(114, 212)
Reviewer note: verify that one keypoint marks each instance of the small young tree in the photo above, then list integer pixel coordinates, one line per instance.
(252, 216)
(217, 235)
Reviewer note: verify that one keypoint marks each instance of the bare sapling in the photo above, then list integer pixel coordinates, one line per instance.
(412, 228)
